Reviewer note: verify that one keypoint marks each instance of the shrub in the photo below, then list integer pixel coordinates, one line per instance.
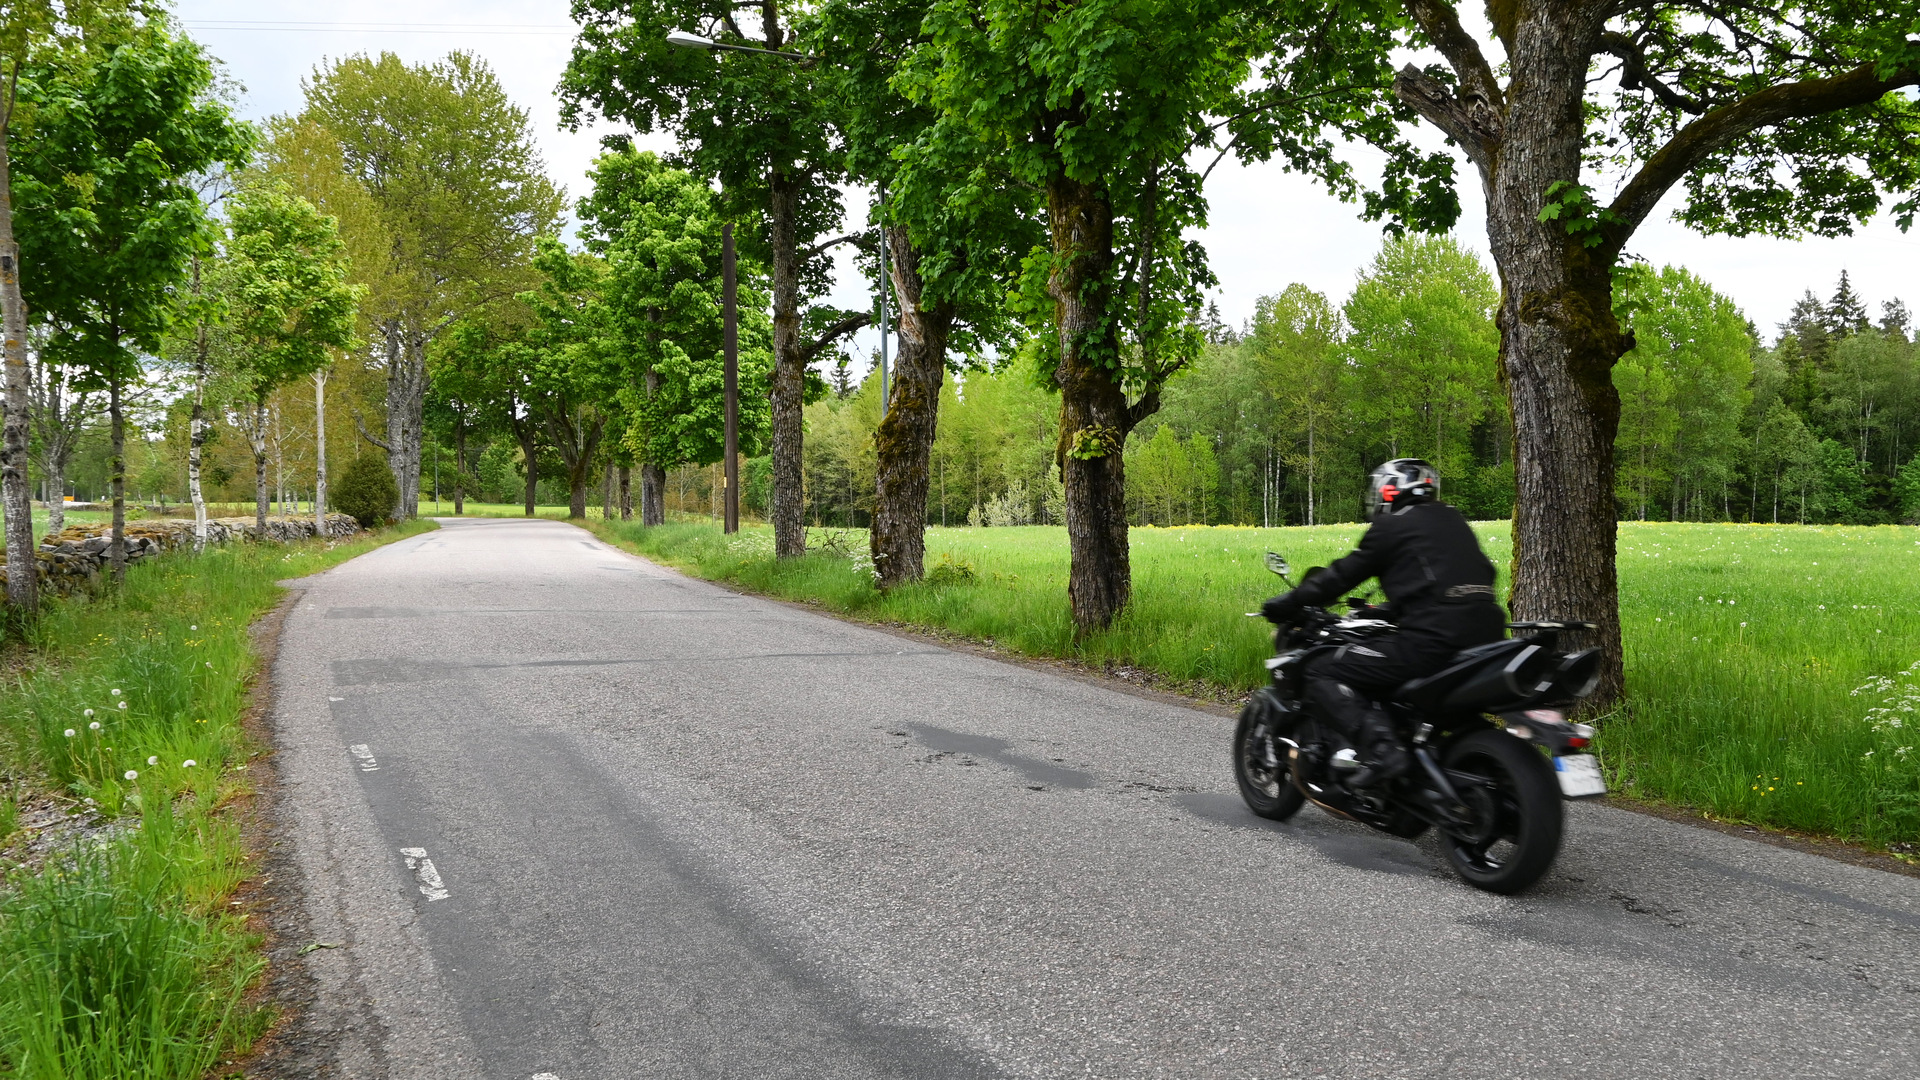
(367, 491)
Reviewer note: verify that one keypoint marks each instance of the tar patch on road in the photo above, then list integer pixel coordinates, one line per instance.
(1001, 751)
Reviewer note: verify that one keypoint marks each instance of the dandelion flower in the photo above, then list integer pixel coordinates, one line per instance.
(188, 764)
(131, 775)
(193, 628)
(88, 712)
(1743, 624)
(95, 726)
(123, 704)
(154, 760)
(115, 691)
(69, 733)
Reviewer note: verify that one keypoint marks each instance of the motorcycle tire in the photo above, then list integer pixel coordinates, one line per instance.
(1519, 809)
(1268, 789)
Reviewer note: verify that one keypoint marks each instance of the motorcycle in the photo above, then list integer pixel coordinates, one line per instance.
(1494, 754)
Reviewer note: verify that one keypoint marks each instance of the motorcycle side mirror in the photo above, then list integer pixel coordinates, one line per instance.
(1277, 563)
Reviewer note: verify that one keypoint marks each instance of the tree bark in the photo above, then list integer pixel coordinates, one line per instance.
(653, 494)
(117, 471)
(626, 493)
(257, 439)
(904, 441)
(1094, 417)
(406, 402)
(197, 441)
(789, 370)
(15, 492)
(459, 469)
(528, 437)
(320, 451)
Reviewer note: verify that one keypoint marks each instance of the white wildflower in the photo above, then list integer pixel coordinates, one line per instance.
(188, 764)
(69, 733)
(95, 726)
(131, 775)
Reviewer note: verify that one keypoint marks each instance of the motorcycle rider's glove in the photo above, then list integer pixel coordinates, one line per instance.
(1282, 609)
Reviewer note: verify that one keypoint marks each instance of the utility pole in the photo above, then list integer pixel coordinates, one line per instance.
(730, 479)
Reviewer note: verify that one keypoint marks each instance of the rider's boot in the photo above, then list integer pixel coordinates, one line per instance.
(1382, 755)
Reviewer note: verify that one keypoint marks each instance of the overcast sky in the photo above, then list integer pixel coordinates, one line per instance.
(1268, 228)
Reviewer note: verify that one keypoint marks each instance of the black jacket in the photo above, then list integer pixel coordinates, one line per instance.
(1430, 566)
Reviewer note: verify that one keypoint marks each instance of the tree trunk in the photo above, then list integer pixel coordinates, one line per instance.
(15, 492)
(653, 494)
(626, 493)
(606, 491)
(530, 449)
(904, 441)
(406, 400)
(257, 439)
(196, 443)
(56, 491)
(789, 371)
(1093, 407)
(577, 491)
(1558, 344)
(320, 451)
(459, 469)
(117, 471)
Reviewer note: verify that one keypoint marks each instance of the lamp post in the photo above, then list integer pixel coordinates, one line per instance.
(730, 471)
(730, 475)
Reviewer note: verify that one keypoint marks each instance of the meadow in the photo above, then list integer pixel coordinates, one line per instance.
(1745, 644)
(121, 953)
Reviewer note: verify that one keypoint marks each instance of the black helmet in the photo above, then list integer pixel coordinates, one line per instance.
(1401, 482)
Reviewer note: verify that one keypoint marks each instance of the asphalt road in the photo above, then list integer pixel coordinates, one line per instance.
(569, 815)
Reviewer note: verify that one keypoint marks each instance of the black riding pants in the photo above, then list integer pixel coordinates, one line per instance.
(1426, 641)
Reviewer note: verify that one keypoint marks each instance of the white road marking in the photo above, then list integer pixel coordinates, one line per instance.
(336, 699)
(365, 754)
(424, 874)
(545, 1076)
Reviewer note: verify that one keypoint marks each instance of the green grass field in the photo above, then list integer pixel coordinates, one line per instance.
(1745, 643)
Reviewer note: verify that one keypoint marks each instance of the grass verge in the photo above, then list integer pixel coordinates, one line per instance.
(120, 955)
(1771, 669)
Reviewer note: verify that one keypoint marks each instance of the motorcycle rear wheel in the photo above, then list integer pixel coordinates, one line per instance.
(1261, 766)
(1519, 809)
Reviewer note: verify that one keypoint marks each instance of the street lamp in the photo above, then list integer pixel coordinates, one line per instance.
(730, 472)
(695, 41)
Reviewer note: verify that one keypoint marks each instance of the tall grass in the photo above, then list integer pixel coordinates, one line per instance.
(119, 958)
(1744, 643)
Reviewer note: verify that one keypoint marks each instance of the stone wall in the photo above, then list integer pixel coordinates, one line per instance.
(74, 558)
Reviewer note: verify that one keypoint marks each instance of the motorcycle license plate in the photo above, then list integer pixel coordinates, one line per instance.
(1579, 776)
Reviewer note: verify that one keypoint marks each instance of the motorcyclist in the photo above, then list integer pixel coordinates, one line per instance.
(1439, 590)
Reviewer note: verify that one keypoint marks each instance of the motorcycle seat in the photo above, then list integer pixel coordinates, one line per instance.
(1426, 692)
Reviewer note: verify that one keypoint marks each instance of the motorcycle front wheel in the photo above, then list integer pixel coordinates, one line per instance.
(1514, 800)
(1261, 764)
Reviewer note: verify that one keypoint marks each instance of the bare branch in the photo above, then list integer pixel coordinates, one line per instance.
(833, 333)
(367, 435)
(826, 245)
(1701, 138)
